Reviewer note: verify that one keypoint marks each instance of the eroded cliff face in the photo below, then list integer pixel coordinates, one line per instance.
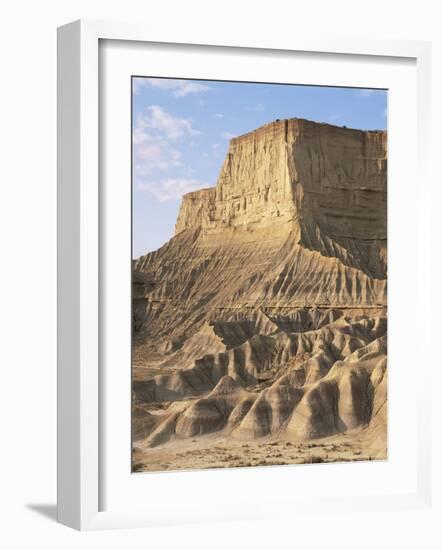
(297, 218)
(274, 287)
(254, 186)
(340, 188)
(197, 210)
(327, 183)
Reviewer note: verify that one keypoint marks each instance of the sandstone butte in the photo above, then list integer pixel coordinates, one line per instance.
(263, 319)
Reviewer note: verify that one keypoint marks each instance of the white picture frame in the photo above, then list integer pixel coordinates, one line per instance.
(79, 269)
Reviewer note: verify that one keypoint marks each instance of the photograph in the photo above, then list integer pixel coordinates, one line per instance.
(259, 274)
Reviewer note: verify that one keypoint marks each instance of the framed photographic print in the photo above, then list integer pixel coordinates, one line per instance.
(225, 211)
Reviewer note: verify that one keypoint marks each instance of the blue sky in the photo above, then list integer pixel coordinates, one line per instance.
(181, 131)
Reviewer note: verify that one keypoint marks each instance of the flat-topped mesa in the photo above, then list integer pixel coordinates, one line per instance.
(325, 182)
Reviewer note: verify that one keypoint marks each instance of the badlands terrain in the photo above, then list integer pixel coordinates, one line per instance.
(260, 328)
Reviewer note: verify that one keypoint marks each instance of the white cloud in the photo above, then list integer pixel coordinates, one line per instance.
(227, 135)
(179, 88)
(147, 151)
(159, 119)
(171, 189)
(137, 84)
(215, 146)
(156, 154)
(385, 112)
(218, 115)
(367, 92)
(334, 118)
(152, 152)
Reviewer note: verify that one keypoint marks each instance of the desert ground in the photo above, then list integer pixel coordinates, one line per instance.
(215, 452)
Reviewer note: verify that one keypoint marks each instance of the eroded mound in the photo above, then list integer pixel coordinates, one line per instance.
(289, 385)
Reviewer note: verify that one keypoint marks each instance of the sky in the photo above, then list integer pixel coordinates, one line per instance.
(181, 131)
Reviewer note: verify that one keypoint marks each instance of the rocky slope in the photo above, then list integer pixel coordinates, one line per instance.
(265, 315)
